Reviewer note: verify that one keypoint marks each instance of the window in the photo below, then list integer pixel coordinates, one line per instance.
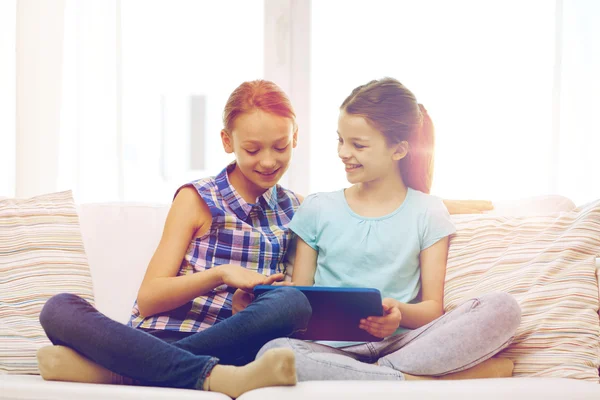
(483, 70)
(510, 85)
(8, 33)
(180, 62)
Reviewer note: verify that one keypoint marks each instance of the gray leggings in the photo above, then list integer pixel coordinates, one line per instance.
(457, 340)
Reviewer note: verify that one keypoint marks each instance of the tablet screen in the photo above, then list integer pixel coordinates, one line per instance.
(336, 312)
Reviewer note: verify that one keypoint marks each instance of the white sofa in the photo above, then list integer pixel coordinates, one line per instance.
(119, 240)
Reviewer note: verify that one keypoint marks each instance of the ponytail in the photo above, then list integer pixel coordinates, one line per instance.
(417, 166)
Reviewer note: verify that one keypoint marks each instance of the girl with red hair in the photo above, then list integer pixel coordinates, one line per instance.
(222, 233)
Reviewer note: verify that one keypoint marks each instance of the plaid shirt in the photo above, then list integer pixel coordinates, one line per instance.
(255, 236)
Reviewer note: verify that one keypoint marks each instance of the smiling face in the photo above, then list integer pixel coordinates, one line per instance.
(262, 143)
(364, 150)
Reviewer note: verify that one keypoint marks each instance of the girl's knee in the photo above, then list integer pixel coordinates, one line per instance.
(506, 308)
(57, 307)
(294, 298)
(294, 305)
(274, 344)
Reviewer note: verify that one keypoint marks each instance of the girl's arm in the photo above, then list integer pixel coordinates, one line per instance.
(161, 289)
(433, 274)
(305, 264)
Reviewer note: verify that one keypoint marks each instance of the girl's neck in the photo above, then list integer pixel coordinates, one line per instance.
(248, 190)
(376, 198)
(386, 189)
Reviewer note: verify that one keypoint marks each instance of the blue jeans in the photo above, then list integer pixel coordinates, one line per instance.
(182, 363)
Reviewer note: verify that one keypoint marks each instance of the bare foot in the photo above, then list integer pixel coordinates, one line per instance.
(490, 368)
(60, 363)
(275, 368)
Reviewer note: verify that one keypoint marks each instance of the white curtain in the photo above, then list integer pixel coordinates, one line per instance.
(39, 31)
(8, 38)
(66, 99)
(90, 156)
(510, 86)
(577, 169)
(128, 82)
(70, 99)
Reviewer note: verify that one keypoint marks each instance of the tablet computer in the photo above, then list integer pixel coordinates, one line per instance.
(336, 312)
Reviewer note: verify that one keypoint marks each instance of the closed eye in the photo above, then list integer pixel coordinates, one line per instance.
(282, 149)
(356, 145)
(251, 152)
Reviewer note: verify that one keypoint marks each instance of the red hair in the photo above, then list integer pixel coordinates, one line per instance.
(257, 95)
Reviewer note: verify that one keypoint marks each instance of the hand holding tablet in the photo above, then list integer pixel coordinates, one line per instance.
(337, 312)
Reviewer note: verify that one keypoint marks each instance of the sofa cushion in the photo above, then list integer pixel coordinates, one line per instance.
(548, 263)
(470, 389)
(598, 277)
(34, 387)
(41, 254)
(120, 239)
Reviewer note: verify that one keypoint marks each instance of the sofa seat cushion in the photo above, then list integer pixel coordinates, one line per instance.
(34, 387)
(474, 389)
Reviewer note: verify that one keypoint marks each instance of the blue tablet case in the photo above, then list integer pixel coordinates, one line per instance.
(336, 312)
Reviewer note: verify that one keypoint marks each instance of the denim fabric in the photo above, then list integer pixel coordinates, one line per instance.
(71, 321)
(457, 340)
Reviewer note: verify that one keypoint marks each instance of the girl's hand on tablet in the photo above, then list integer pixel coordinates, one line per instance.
(284, 283)
(240, 300)
(245, 279)
(383, 326)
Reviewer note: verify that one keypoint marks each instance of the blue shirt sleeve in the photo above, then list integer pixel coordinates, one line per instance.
(305, 222)
(436, 224)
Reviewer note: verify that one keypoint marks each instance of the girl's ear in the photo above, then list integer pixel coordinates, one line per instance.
(401, 151)
(295, 139)
(227, 142)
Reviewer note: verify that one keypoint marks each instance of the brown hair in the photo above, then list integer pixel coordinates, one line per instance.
(393, 110)
(257, 95)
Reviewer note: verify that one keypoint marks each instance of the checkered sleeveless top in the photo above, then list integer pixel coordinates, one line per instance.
(254, 236)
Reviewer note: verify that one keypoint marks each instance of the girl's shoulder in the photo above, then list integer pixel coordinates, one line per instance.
(207, 184)
(325, 198)
(206, 188)
(287, 198)
(433, 218)
(203, 185)
(311, 198)
(284, 193)
(426, 202)
(335, 194)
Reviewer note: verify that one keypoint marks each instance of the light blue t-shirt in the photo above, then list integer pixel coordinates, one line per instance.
(381, 252)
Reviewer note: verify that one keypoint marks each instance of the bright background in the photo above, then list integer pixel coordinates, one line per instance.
(122, 100)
